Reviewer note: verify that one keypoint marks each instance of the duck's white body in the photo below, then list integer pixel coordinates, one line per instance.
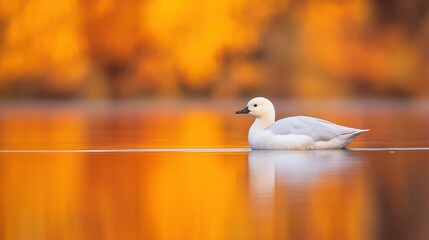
(293, 133)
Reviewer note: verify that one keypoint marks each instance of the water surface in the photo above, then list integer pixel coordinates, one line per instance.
(183, 171)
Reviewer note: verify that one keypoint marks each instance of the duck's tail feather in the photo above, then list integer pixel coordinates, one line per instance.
(356, 132)
(349, 136)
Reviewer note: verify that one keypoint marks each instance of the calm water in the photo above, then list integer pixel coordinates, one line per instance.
(182, 170)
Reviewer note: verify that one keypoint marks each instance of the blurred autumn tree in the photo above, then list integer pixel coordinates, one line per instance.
(177, 48)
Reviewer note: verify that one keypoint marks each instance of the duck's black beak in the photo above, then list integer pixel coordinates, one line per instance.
(243, 111)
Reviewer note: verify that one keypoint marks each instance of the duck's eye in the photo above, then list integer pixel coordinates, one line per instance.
(255, 105)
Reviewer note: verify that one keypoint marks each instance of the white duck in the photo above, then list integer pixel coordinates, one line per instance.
(293, 133)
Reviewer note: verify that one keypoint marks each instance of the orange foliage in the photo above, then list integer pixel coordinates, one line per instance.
(105, 48)
(42, 39)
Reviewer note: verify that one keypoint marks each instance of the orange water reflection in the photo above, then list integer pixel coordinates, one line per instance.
(195, 124)
(309, 195)
(256, 195)
(208, 195)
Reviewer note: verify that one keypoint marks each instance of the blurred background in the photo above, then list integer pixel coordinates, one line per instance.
(176, 71)
(111, 49)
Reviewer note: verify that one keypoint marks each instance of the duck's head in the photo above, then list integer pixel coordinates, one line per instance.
(259, 107)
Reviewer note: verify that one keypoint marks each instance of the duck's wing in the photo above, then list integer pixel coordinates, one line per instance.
(318, 129)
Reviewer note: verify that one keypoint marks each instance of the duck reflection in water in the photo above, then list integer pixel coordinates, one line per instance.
(322, 190)
(296, 167)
